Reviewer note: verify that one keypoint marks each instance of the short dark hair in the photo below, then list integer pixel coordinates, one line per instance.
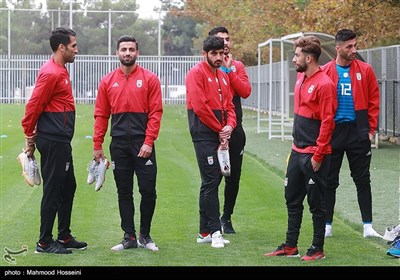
(213, 43)
(218, 29)
(309, 45)
(59, 36)
(344, 35)
(127, 38)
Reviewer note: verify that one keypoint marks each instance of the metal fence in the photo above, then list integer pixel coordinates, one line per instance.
(18, 74)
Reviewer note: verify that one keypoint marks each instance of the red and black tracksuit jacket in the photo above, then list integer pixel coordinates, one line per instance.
(51, 108)
(240, 88)
(364, 86)
(315, 105)
(135, 103)
(209, 102)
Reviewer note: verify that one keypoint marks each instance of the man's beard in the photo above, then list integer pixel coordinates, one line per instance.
(214, 64)
(301, 68)
(128, 63)
(227, 50)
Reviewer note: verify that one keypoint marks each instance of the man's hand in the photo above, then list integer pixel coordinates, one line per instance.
(29, 150)
(30, 145)
(227, 61)
(371, 136)
(98, 154)
(145, 151)
(224, 144)
(226, 132)
(315, 165)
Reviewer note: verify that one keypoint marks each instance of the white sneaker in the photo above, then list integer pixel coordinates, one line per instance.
(27, 168)
(208, 239)
(126, 243)
(328, 230)
(148, 243)
(370, 232)
(391, 234)
(217, 241)
(224, 161)
(92, 172)
(36, 173)
(101, 174)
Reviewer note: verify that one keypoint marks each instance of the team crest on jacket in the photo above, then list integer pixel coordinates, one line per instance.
(139, 83)
(233, 68)
(311, 89)
(358, 76)
(210, 160)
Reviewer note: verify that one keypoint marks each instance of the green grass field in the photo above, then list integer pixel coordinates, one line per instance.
(259, 219)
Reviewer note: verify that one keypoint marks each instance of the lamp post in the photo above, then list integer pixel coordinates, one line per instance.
(70, 14)
(159, 42)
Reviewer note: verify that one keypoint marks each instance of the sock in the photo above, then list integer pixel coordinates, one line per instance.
(367, 226)
(66, 240)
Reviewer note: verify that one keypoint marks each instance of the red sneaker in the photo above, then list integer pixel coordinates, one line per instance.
(314, 253)
(284, 251)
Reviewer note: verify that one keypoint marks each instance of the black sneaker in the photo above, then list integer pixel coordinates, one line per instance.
(72, 243)
(147, 242)
(127, 243)
(53, 247)
(227, 227)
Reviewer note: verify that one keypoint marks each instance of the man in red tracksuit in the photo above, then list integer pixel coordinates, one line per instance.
(307, 171)
(241, 88)
(131, 96)
(211, 116)
(49, 124)
(356, 121)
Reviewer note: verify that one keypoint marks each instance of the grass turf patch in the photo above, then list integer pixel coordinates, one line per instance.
(260, 214)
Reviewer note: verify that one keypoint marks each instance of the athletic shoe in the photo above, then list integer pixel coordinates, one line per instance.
(217, 241)
(53, 247)
(101, 174)
(92, 172)
(224, 161)
(394, 241)
(27, 168)
(36, 173)
(128, 242)
(394, 251)
(328, 230)
(227, 227)
(72, 243)
(284, 251)
(313, 253)
(147, 242)
(370, 232)
(207, 239)
(391, 234)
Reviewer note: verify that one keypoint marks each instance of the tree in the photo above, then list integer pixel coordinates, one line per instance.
(31, 27)
(178, 34)
(178, 29)
(254, 21)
